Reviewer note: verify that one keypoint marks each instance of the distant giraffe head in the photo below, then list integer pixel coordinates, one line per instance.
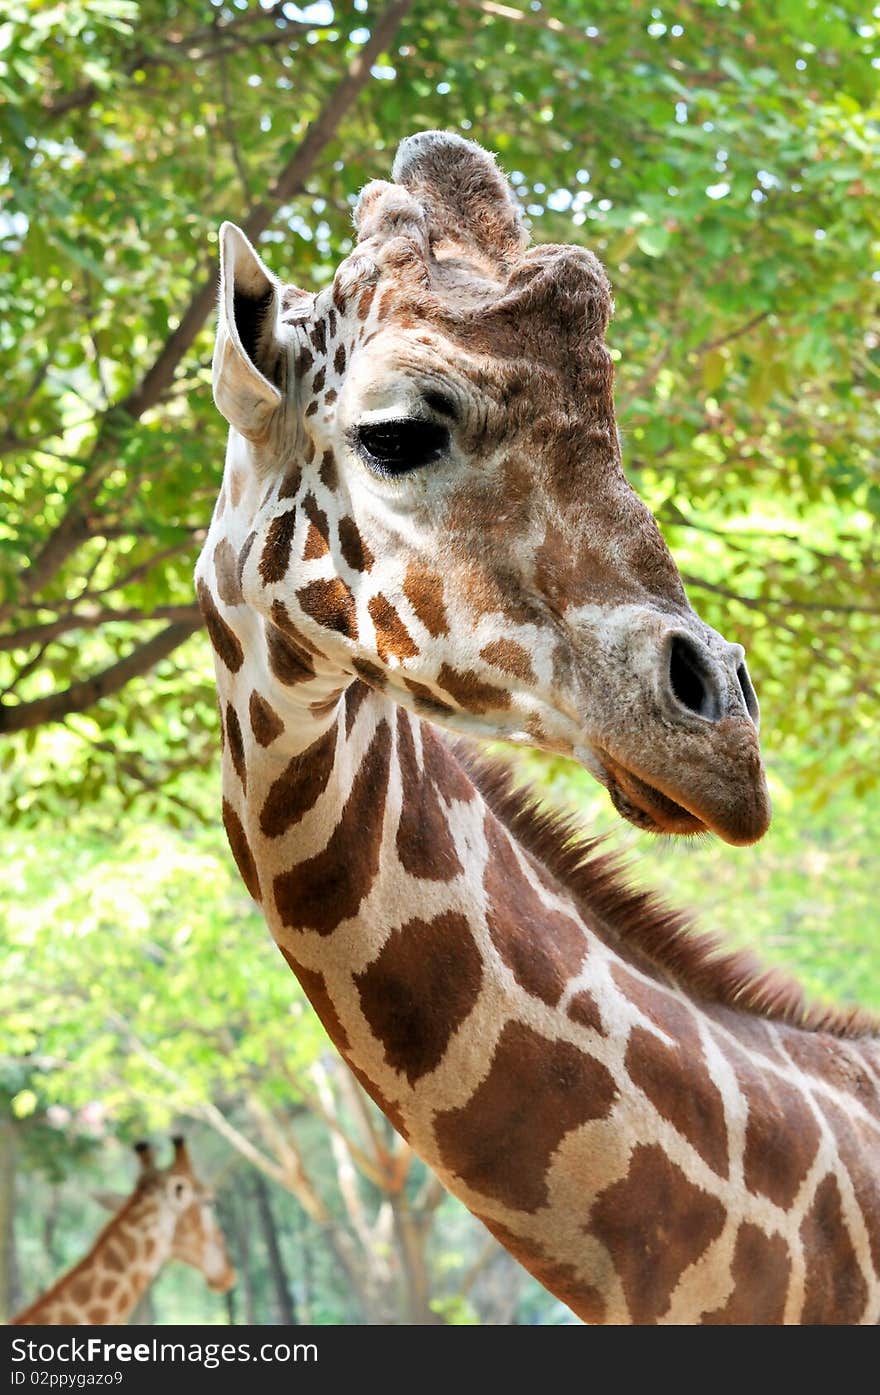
(425, 489)
(196, 1237)
(168, 1215)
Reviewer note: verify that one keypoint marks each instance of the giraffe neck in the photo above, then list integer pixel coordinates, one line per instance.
(648, 1155)
(107, 1284)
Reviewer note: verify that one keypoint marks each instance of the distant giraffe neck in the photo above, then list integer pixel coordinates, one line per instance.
(648, 1153)
(107, 1284)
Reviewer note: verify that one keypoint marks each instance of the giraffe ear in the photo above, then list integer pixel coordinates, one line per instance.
(247, 351)
(111, 1201)
(468, 202)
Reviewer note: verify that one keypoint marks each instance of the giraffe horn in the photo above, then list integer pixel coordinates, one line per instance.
(146, 1156)
(181, 1157)
(468, 201)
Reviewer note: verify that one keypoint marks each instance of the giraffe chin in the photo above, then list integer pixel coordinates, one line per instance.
(646, 807)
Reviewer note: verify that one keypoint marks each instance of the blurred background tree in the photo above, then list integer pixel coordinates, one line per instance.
(720, 156)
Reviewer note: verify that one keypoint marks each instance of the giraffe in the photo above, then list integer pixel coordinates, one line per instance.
(168, 1215)
(424, 539)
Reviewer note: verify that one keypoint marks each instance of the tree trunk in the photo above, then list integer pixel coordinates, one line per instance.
(305, 1255)
(411, 1235)
(9, 1282)
(287, 1314)
(238, 1232)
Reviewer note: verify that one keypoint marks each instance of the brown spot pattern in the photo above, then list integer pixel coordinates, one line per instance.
(282, 619)
(114, 1259)
(244, 555)
(662, 1071)
(833, 1061)
(443, 770)
(299, 786)
(236, 744)
(781, 1134)
(393, 640)
(275, 559)
(315, 988)
(561, 1279)
(542, 947)
(318, 537)
(654, 1222)
(321, 892)
(339, 359)
(858, 1150)
(835, 1291)
(327, 473)
(288, 660)
(584, 1010)
(354, 696)
(323, 707)
(426, 700)
(761, 1270)
(677, 1082)
(225, 640)
(501, 1141)
(291, 482)
(424, 591)
(506, 654)
(419, 990)
(265, 722)
(331, 604)
(352, 546)
(470, 691)
(371, 675)
(425, 844)
(226, 569)
(387, 1106)
(244, 858)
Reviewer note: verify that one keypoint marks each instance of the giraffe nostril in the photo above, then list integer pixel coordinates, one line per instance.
(748, 692)
(689, 680)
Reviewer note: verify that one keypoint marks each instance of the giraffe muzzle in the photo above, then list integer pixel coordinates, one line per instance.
(681, 756)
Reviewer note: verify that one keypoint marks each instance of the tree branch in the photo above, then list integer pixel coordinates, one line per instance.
(79, 696)
(74, 526)
(770, 603)
(189, 48)
(709, 344)
(73, 620)
(289, 183)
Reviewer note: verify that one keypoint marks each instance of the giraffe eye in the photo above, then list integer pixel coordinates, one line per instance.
(396, 447)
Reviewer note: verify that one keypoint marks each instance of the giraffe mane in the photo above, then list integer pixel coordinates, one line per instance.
(641, 922)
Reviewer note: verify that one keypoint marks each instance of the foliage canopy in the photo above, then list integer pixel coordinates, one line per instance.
(719, 159)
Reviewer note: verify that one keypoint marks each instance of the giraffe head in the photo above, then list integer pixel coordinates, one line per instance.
(424, 489)
(184, 1207)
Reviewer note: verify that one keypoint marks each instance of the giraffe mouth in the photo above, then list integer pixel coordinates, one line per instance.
(643, 805)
